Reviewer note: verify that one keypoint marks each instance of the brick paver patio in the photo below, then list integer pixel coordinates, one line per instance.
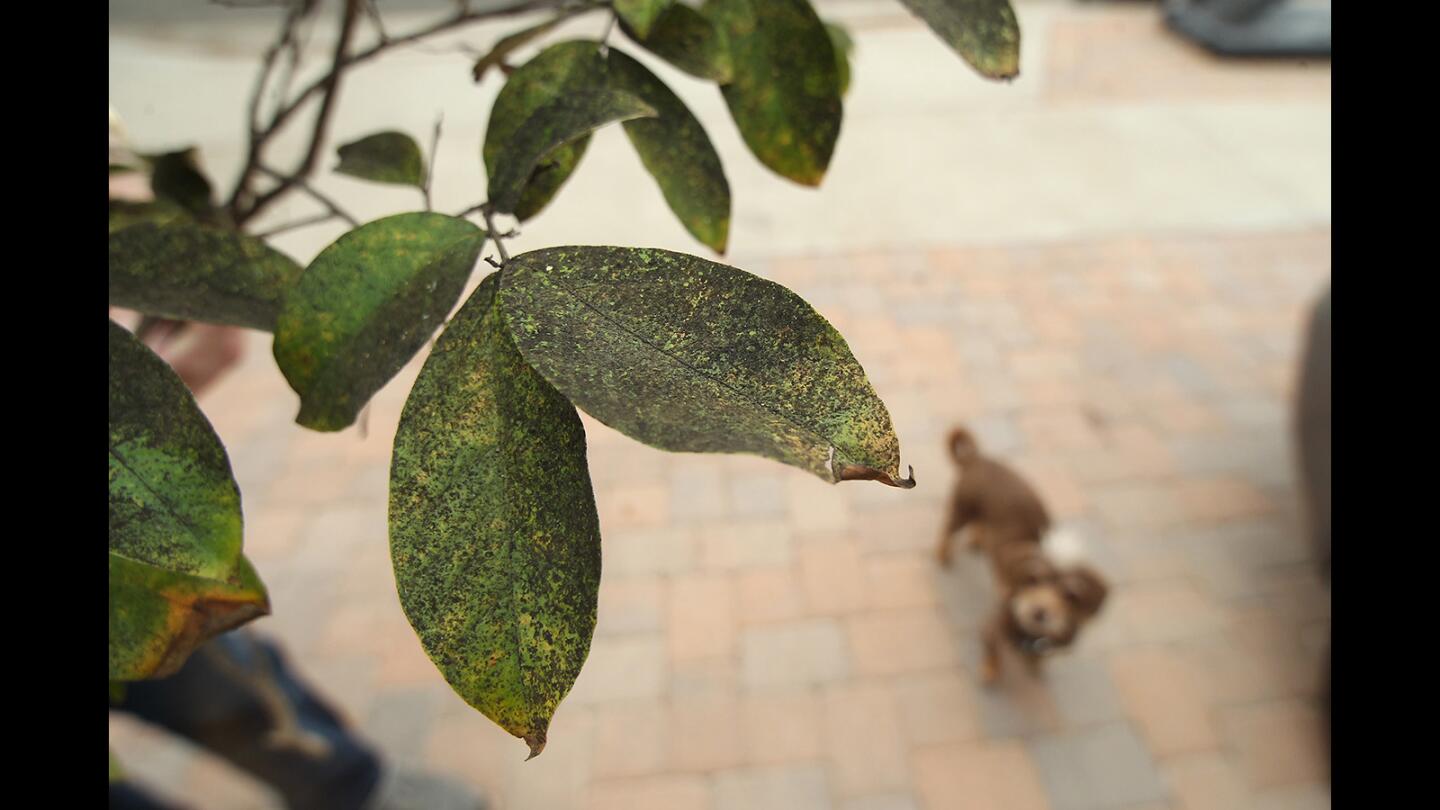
(768, 641)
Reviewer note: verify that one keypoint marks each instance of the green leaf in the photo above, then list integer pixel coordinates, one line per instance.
(557, 123)
(640, 14)
(177, 268)
(785, 95)
(124, 213)
(173, 502)
(493, 530)
(503, 48)
(689, 355)
(673, 145)
(677, 153)
(984, 32)
(538, 82)
(688, 40)
(844, 46)
(177, 576)
(176, 176)
(365, 305)
(385, 157)
(158, 616)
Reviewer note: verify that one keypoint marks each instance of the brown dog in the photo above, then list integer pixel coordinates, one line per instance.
(1042, 606)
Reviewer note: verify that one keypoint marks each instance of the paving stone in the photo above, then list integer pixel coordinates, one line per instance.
(811, 651)
(901, 641)
(669, 792)
(782, 726)
(1103, 767)
(782, 787)
(865, 747)
(1165, 699)
(1000, 775)
(702, 617)
(768, 595)
(1280, 742)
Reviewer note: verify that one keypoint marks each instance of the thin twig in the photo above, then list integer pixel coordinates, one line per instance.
(474, 209)
(330, 205)
(434, 150)
(295, 52)
(267, 63)
(605, 35)
(299, 223)
(495, 236)
(331, 83)
(373, 12)
(242, 204)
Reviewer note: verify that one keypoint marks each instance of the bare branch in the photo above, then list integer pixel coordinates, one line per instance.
(496, 237)
(330, 84)
(300, 183)
(297, 224)
(434, 150)
(243, 205)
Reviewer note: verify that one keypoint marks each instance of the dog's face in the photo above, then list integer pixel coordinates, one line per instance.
(1052, 604)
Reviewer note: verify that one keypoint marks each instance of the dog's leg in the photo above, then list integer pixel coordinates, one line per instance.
(954, 523)
(990, 660)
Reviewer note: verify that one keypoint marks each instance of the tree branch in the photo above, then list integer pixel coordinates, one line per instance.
(244, 205)
(302, 184)
(430, 172)
(299, 223)
(349, 16)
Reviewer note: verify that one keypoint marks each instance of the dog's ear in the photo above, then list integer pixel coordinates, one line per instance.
(1084, 588)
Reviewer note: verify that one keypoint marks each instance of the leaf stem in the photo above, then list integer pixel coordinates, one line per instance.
(495, 236)
(434, 151)
(243, 205)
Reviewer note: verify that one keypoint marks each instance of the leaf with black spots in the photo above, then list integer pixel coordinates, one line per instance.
(171, 266)
(550, 75)
(385, 157)
(158, 616)
(493, 530)
(984, 32)
(688, 40)
(365, 306)
(572, 116)
(177, 576)
(641, 14)
(785, 94)
(689, 355)
(672, 145)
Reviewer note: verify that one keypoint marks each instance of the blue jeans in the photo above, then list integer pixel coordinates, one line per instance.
(236, 697)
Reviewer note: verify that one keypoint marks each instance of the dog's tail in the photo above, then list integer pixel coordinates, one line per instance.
(963, 446)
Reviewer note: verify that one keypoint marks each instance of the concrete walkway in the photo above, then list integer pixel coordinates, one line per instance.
(1102, 268)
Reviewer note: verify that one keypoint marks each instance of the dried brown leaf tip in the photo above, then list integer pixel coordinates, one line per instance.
(854, 472)
(536, 742)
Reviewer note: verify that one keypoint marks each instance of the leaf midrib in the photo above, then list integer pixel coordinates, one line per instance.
(170, 509)
(746, 399)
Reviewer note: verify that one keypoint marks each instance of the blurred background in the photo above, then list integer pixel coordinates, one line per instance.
(1104, 268)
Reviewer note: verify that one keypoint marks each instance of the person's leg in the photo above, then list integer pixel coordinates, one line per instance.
(237, 698)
